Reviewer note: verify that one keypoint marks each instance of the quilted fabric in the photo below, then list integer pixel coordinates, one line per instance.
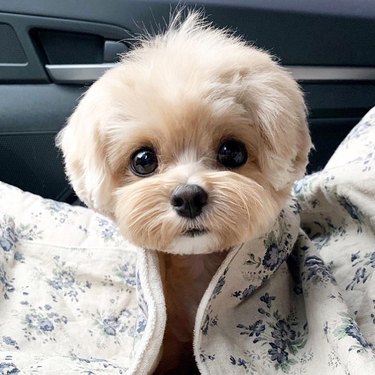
(70, 295)
(75, 298)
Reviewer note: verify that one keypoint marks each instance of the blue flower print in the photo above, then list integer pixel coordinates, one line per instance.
(302, 191)
(107, 233)
(42, 322)
(267, 299)
(46, 325)
(325, 231)
(141, 325)
(253, 261)
(258, 327)
(220, 284)
(284, 336)
(363, 264)
(9, 341)
(353, 331)
(357, 132)
(283, 332)
(10, 234)
(349, 327)
(6, 283)
(368, 161)
(64, 280)
(205, 325)
(295, 206)
(244, 294)
(352, 210)
(8, 239)
(317, 271)
(108, 230)
(142, 309)
(203, 356)
(255, 329)
(361, 275)
(99, 365)
(355, 256)
(110, 325)
(272, 257)
(39, 323)
(60, 212)
(239, 362)
(277, 352)
(277, 246)
(372, 260)
(209, 321)
(8, 368)
(127, 273)
(114, 325)
(19, 257)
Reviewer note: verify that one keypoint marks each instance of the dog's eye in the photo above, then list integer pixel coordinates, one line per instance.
(144, 162)
(232, 154)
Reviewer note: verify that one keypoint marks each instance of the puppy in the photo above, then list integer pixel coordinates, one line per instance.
(191, 144)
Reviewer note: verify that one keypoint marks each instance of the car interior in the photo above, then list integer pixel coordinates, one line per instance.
(51, 51)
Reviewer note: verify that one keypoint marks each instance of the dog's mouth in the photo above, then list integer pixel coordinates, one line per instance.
(194, 232)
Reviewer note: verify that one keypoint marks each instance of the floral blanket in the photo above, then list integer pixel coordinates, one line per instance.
(75, 298)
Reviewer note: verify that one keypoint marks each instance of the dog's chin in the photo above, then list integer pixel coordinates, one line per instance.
(195, 242)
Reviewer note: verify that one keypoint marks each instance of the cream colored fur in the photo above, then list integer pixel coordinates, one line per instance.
(182, 93)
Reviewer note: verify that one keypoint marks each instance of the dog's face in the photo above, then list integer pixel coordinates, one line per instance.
(191, 144)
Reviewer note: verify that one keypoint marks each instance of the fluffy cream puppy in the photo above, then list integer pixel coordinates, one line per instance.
(191, 144)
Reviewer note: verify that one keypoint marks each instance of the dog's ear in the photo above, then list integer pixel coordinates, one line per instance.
(277, 107)
(82, 147)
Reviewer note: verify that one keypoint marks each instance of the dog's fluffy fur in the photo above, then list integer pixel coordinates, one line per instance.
(182, 93)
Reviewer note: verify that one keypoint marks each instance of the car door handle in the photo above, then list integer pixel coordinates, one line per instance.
(88, 73)
(77, 73)
(331, 73)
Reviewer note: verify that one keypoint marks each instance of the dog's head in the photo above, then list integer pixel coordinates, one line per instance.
(191, 143)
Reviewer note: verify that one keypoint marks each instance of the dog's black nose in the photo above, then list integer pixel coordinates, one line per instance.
(188, 200)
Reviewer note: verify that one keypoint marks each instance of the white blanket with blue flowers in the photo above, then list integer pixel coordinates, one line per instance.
(75, 298)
